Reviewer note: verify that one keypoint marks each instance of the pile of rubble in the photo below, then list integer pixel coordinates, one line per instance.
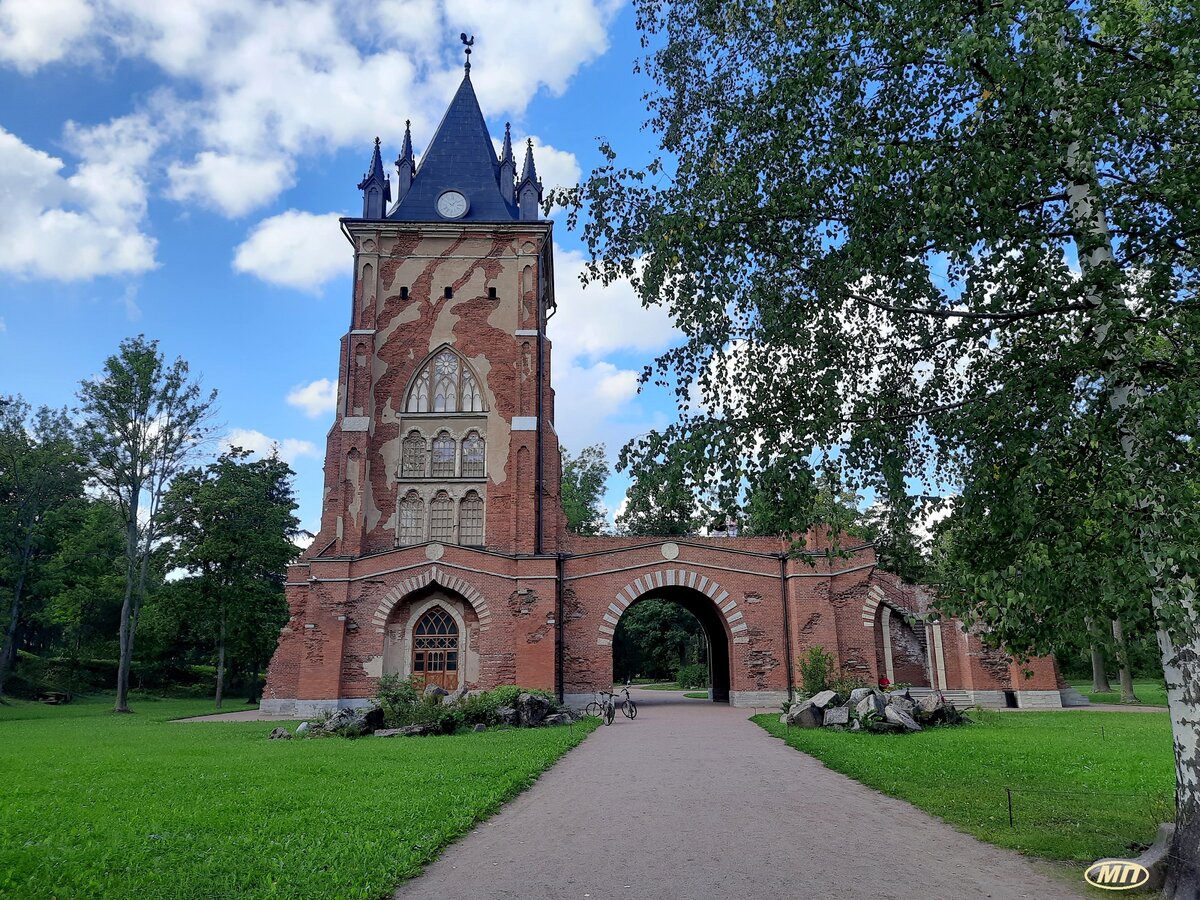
(528, 711)
(871, 709)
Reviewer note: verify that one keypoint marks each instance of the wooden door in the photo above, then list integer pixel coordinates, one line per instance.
(435, 650)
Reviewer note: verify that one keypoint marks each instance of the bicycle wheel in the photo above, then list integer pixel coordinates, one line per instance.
(610, 712)
(593, 709)
(630, 709)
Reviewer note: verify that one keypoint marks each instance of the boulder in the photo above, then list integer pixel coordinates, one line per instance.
(433, 690)
(557, 719)
(279, 734)
(837, 715)
(351, 721)
(898, 716)
(803, 715)
(302, 728)
(455, 696)
(825, 699)
(870, 704)
(532, 710)
(480, 727)
(900, 702)
(857, 695)
(506, 715)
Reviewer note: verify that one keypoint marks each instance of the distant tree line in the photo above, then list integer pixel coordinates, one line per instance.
(126, 559)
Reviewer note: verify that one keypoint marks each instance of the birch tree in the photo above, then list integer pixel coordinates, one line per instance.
(141, 421)
(951, 239)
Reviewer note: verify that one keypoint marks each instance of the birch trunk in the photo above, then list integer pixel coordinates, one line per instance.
(1181, 655)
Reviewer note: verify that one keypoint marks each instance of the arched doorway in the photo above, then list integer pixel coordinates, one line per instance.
(712, 627)
(435, 653)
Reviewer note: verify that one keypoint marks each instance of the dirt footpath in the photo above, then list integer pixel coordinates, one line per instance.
(690, 800)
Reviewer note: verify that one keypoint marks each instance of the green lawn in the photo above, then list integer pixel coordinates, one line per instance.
(1085, 784)
(1149, 693)
(697, 695)
(96, 804)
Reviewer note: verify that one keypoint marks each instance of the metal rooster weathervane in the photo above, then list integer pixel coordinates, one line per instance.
(468, 43)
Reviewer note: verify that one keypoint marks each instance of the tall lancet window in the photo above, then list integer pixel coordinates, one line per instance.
(445, 385)
(412, 519)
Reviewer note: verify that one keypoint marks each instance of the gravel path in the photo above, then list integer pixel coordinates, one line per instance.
(690, 800)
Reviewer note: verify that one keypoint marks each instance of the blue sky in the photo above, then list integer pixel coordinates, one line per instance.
(177, 169)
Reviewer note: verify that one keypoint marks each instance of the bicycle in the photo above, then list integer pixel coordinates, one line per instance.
(627, 705)
(605, 708)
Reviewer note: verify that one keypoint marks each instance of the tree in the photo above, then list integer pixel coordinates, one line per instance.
(783, 498)
(954, 239)
(583, 480)
(230, 525)
(654, 639)
(141, 420)
(660, 501)
(41, 470)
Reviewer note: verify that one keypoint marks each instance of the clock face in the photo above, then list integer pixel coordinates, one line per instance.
(452, 205)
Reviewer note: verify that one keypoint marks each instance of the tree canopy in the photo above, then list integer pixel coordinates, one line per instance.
(583, 481)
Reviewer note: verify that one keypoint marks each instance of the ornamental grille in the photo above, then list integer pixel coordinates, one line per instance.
(470, 525)
(412, 519)
(441, 518)
(412, 459)
(472, 456)
(443, 456)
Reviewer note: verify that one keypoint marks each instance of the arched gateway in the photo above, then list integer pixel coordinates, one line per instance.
(442, 553)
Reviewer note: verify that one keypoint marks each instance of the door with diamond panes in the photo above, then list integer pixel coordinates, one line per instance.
(436, 650)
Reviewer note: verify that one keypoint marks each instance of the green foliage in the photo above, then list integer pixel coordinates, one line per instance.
(693, 676)
(654, 638)
(404, 703)
(139, 806)
(661, 500)
(230, 526)
(583, 480)
(1086, 785)
(816, 669)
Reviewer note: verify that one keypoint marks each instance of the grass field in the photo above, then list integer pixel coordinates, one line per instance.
(1149, 693)
(1085, 785)
(96, 804)
(697, 695)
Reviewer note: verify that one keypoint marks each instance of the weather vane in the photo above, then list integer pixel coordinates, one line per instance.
(468, 43)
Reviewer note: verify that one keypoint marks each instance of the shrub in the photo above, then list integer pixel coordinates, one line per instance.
(844, 684)
(815, 668)
(693, 676)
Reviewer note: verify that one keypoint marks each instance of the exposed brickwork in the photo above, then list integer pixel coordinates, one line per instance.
(546, 619)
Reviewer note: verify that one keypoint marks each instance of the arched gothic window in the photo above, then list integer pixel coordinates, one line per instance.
(412, 457)
(445, 385)
(470, 520)
(472, 456)
(443, 456)
(435, 649)
(441, 518)
(412, 519)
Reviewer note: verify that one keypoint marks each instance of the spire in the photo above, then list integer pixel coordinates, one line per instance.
(377, 190)
(529, 188)
(459, 158)
(406, 165)
(467, 45)
(529, 171)
(508, 166)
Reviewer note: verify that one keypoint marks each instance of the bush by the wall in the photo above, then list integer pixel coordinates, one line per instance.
(693, 676)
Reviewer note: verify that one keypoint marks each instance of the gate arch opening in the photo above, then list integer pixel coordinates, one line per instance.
(712, 626)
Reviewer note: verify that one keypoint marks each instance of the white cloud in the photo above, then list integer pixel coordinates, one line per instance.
(75, 228)
(596, 320)
(556, 168)
(228, 183)
(36, 32)
(315, 398)
(258, 443)
(294, 249)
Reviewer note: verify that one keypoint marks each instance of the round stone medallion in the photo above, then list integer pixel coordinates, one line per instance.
(670, 551)
(434, 551)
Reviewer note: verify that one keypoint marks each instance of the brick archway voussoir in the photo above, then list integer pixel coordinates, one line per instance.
(671, 577)
(420, 580)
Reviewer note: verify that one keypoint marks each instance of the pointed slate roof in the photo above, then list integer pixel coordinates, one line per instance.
(460, 157)
(529, 171)
(376, 170)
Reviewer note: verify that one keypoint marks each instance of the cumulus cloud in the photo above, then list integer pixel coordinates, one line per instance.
(289, 449)
(36, 32)
(315, 398)
(97, 212)
(294, 249)
(229, 183)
